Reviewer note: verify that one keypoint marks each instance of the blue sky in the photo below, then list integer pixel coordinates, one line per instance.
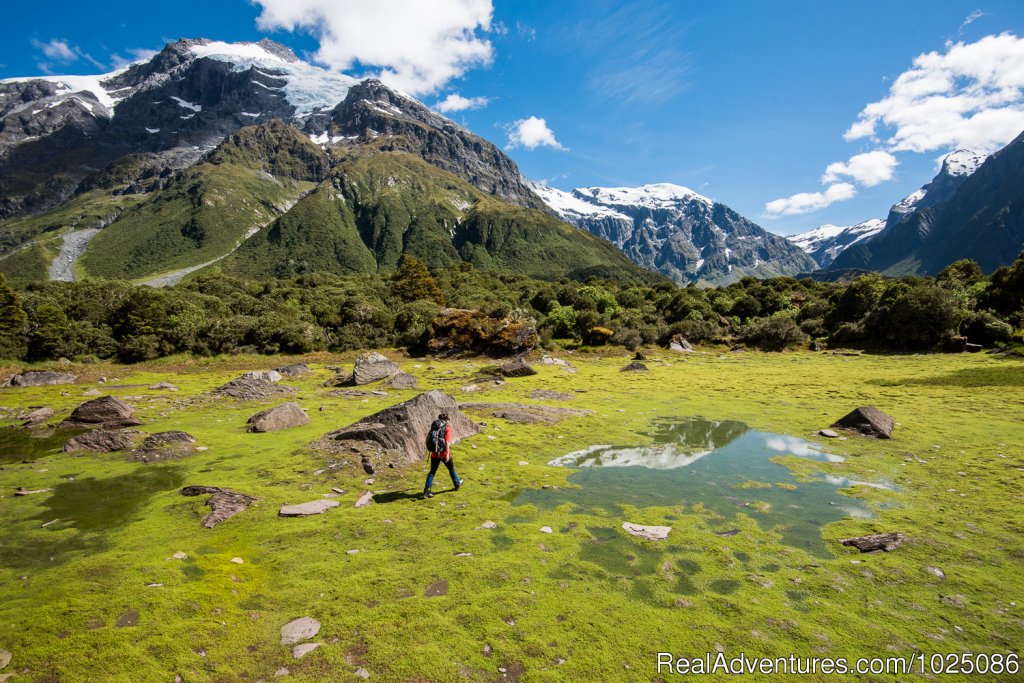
(746, 102)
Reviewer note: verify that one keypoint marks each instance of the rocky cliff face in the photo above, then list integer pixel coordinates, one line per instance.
(679, 233)
(910, 222)
(58, 131)
(825, 242)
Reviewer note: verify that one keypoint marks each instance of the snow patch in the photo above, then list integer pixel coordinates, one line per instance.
(187, 105)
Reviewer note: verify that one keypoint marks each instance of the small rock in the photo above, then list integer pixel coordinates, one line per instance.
(828, 433)
(180, 555)
(936, 571)
(363, 673)
(282, 672)
(488, 525)
(524, 462)
(651, 533)
(237, 560)
(364, 500)
(299, 629)
(546, 530)
(5, 658)
(163, 386)
(300, 651)
(313, 507)
(352, 551)
(635, 366)
(368, 482)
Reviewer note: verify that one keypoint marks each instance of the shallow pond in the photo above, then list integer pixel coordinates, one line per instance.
(723, 465)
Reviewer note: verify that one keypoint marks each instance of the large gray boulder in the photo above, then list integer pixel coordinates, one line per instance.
(868, 421)
(279, 417)
(40, 378)
(402, 429)
(106, 411)
(373, 367)
(102, 441)
(251, 389)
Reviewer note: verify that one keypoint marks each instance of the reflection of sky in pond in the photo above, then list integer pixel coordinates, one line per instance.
(723, 465)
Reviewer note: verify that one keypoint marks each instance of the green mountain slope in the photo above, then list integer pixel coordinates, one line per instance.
(382, 205)
(256, 174)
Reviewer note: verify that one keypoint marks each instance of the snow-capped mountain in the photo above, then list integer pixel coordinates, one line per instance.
(675, 231)
(910, 220)
(55, 131)
(825, 242)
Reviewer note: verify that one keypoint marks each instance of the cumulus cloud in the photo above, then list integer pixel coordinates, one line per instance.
(531, 133)
(868, 169)
(806, 202)
(456, 102)
(970, 96)
(413, 45)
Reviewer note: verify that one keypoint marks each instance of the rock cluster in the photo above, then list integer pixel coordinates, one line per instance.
(251, 389)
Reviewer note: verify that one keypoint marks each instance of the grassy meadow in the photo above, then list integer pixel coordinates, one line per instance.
(586, 602)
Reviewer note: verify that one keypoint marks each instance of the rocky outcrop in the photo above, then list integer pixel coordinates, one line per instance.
(465, 330)
(294, 370)
(400, 432)
(680, 345)
(874, 542)
(268, 375)
(516, 368)
(868, 421)
(283, 416)
(102, 441)
(165, 446)
(37, 417)
(373, 367)
(107, 411)
(247, 389)
(225, 504)
(403, 380)
(40, 378)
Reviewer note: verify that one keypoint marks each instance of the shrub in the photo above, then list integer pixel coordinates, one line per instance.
(773, 334)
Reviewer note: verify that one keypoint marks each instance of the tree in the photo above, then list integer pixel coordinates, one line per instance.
(13, 322)
(414, 282)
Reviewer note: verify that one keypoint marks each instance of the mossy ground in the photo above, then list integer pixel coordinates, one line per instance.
(587, 602)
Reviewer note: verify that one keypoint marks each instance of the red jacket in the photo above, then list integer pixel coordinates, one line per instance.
(448, 436)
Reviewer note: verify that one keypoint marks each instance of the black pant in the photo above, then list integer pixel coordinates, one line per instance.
(434, 463)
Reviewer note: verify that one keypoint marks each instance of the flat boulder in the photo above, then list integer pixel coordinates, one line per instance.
(868, 421)
(525, 413)
(163, 386)
(313, 507)
(680, 345)
(373, 367)
(268, 375)
(102, 441)
(283, 416)
(516, 368)
(650, 533)
(298, 630)
(251, 389)
(403, 380)
(37, 417)
(224, 503)
(294, 370)
(165, 446)
(401, 430)
(635, 366)
(549, 395)
(41, 378)
(874, 542)
(106, 411)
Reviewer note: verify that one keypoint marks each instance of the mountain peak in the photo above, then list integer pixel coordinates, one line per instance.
(962, 162)
(652, 196)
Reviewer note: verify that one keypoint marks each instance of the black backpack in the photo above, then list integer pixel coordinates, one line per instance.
(436, 437)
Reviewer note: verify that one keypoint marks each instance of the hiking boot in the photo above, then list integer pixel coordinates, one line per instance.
(427, 493)
(459, 484)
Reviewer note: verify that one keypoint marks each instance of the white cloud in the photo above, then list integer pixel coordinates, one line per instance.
(456, 102)
(868, 169)
(415, 46)
(806, 202)
(57, 50)
(971, 96)
(532, 133)
(971, 18)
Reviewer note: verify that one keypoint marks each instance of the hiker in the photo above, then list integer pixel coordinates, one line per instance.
(439, 440)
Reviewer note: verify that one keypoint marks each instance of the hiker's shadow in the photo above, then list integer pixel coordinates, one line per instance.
(394, 496)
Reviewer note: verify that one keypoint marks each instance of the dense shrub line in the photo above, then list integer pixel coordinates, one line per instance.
(217, 314)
